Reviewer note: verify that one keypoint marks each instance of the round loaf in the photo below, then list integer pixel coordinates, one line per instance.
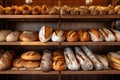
(45, 33)
(71, 36)
(13, 36)
(18, 10)
(32, 64)
(36, 10)
(83, 35)
(58, 36)
(3, 34)
(115, 66)
(19, 63)
(27, 10)
(31, 55)
(44, 10)
(28, 36)
(8, 11)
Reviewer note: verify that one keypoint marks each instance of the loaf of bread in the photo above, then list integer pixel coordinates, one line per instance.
(6, 60)
(32, 64)
(71, 60)
(65, 10)
(96, 35)
(45, 33)
(74, 11)
(55, 10)
(116, 34)
(46, 61)
(115, 66)
(59, 61)
(92, 57)
(94, 10)
(102, 10)
(107, 34)
(31, 55)
(3, 34)
(84, 10)
(18, 10)
(44, 10)
(110, 10)
(8, 11)
(58, 36)
(83, 35)
(36, 10)
(84, 61)
(28, 36)
(13, 36)
(117, 9)
(27, 10)
(2, 10)
(71, 36)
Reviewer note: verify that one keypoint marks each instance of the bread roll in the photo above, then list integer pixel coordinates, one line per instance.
(3, 34)
(71, 36)
(27, 10)
(44, 10)
(55, 10)
(36, 10)
(58, 36)
(18, 10)
(96, 63)
(32, 64)
(19, 63)
(74, 11)
(14, 8)
(96, 35)
(8, 11)
(13, 36)
(84, 61)
(107, 34)
(59, 61)
(116, 34)
(45, 33)
(114, 57)
(6, 60)
(28, 36)
(2, 10)
(84, 10)
(31, 55)
(110, 10)
(102, 10)
(117, 9)
(93, 10)
(65, 10)
(70, 59)
(115, 66)
(46, 61)
(83, 35)
(103, 60)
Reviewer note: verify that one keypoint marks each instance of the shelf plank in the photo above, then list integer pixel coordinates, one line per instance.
(30, 43)
(28, 16)
(29, 72)
(90, 17)
(90, 43)
(91, 72)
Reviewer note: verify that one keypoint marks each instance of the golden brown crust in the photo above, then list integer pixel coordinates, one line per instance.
(36, 10)
(83, 35)
(2, 10)
(18, 63)
(44, 10)
(48, 31)
(8, 11)
(95, 32)
(19, 10)
(115, 66)
(71, 36)
(31, 55)
(32, 64)
(27, 9)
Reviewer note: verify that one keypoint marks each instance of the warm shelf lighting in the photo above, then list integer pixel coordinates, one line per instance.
(88, 1)
(28, 1)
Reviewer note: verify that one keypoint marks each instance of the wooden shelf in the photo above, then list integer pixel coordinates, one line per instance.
(90, 43)
(90, 17)
(91, 72)
(30, 43)
(29, 72)
(29, 16)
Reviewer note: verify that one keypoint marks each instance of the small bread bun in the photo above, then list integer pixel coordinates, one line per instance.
(58, 36)
(102, 10)
(84, 10)
(36, 10)
(45, 33)
(83, 35)
(110, 10)
(115, 66)
(116, 34)
(28, 36)
(2, 10)
(117, 9)
(71, 36)
(44, 10)
(65, 10)
(31, 55)
(96, 35)
(27, 10)
(13, 36)
(74, 11)
(93, 10)
(18, 10)
(3, 34)
(8, 11)
(54, 11)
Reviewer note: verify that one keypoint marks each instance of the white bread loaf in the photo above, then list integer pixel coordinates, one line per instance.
(117, 34)
(84, 61)
(3, 34)
(58, 36)
(13, 36)
(89, 53)
(46, 61)
(70, 59)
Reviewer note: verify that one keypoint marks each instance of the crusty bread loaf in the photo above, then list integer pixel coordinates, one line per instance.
(46, 61)
(13, 36)
(44, 10)
(8, 11)
(59, 61)
(70, 59)
(102, 10)
(74, 11)
(31, 55)
(3, 34)
(27, 10)
(84, 61)
(58, 36)
(36, 10)
(83, 35)
(117, 9)
(32, 64)
(93, 10)
(110, 10)
(55, 10)
(115, 66)
(116, 34)
(45, 33)
(28, 36)
(96, 35)
(84, 10)
(64, 10)
(71, 36)
(18, 10)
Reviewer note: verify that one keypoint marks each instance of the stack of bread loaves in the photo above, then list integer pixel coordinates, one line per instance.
(114, 58)
(30, 59)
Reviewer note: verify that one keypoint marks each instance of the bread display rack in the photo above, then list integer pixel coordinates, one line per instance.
(64, 22)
